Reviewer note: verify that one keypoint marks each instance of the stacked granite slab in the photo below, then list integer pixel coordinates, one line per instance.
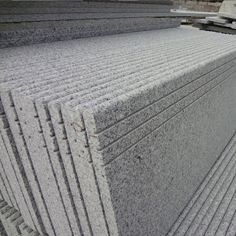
(112, 135)
(102, 139)
(27, 22)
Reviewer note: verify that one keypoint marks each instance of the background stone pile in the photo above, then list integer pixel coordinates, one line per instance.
(27, 22)
(224, 22)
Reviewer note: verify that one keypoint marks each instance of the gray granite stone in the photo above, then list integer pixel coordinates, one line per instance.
(123, 129)
(81, 28)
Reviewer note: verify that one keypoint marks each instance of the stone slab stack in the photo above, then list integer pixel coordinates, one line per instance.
(224, 22)
(27, 22)
(218, 23)
(113, 135)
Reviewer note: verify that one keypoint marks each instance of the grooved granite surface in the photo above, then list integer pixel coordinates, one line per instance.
(112, 135)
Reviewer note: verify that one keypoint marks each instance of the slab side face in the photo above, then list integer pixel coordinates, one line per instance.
(157, 176)
(42, 164)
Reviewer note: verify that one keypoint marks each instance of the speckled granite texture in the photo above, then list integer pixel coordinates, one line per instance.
(113, 135)
(18, 34)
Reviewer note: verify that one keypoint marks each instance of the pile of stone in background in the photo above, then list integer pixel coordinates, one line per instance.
(224, 22)
(27, 22)
(198, 5)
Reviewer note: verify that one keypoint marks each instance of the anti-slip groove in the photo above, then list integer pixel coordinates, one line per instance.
(203, 186)
(158, 113)
(162, 124)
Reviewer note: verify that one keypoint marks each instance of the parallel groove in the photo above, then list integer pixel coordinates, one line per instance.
(70, 114)
(212, 208)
